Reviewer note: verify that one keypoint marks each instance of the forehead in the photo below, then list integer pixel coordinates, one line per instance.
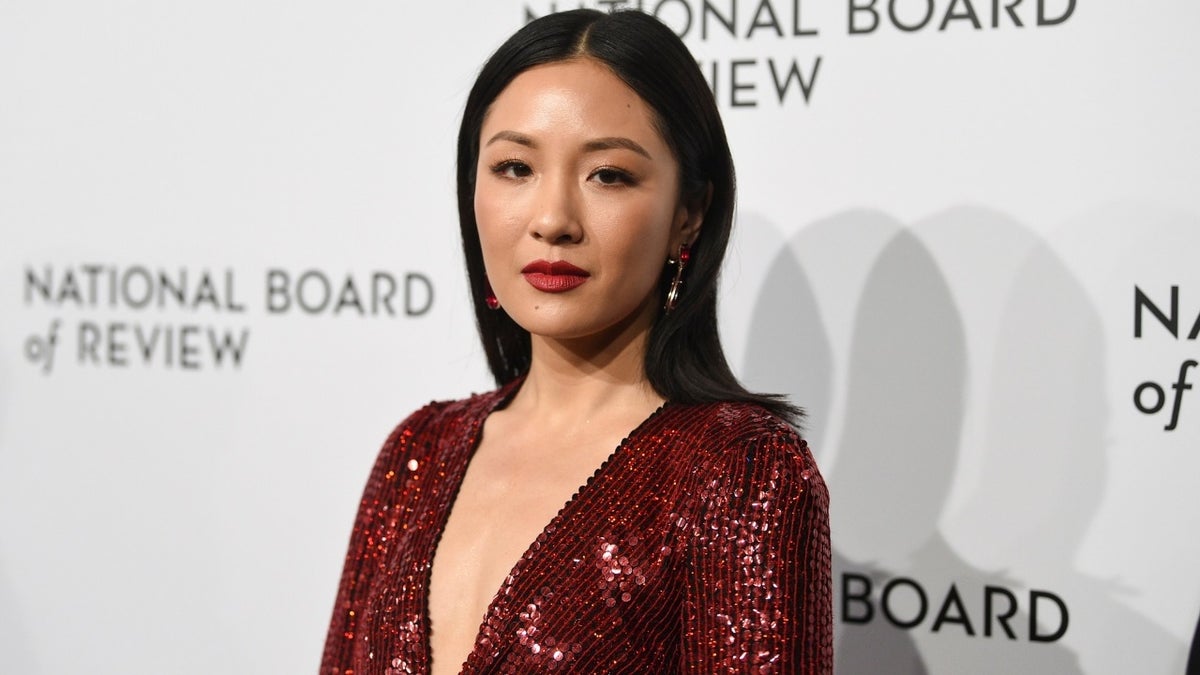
(577, 96)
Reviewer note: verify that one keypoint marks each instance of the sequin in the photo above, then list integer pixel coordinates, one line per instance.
(701, 546)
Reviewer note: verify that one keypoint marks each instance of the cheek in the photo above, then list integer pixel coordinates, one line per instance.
(485, 209)
(638, 238)
(645, 228)
(491, 217)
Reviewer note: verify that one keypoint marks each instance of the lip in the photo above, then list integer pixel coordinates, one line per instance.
(554, 277)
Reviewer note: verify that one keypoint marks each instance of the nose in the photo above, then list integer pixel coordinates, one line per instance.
(555, 219)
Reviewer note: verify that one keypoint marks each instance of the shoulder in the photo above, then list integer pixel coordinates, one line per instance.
(437, 413)
(743, 443)
(721, 430)
(438, 420)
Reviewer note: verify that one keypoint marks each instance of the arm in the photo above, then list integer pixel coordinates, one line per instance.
(368, 548)
(759, 586)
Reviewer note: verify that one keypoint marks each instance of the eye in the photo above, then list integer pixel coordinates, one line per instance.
(611, 176)
(511, 168)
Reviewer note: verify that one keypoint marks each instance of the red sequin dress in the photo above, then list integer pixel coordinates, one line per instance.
(700, 546)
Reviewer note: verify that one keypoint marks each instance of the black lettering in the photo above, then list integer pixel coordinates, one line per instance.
(231, 304)
(797, 30)
(1180, 386)
(910, 27)
(92, 271)
(953, 603)
(951, 16)
(147, 281)
(348, 297)
(226, 346)
(41, 285)
(187, 350)
(1141, 301)
(1043, 20)
(206, 292)
(410, 307)
(707, 9)
(1143, 388)
(278, 298)
(1003, 617)
(862, 597)
(781, 88)
(326, 292)
(176, 290)
(385, 297)
(69, 290)
(89, 342)
(146, 347)
(1034, 599)
(735, 85)
(771, 21)
(116, 345)
(885, 602)
(856, 8)
(1009, 8)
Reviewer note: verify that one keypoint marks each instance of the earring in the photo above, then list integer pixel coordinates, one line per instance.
(489, 296)
(685, 254)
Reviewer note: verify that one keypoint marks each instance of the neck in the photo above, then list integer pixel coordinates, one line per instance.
(579, 379)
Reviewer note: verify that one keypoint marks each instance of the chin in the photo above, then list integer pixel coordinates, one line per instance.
(569, 325)
(562, 329)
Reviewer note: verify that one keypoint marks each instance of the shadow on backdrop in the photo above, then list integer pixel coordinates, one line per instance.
(1046, 464)
(788, 350)
(906, 386)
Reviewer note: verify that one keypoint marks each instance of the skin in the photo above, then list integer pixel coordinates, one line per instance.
(571, 168)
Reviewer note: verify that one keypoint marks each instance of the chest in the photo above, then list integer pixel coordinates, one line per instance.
(500, 509)
(506, 500)
(538, 587)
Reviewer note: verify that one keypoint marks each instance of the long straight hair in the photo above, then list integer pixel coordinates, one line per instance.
(684, 360)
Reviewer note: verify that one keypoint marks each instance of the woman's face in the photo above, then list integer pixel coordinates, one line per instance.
(577, 201)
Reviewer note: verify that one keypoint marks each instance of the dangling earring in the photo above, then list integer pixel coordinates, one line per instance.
(489, 296)
(685, 254)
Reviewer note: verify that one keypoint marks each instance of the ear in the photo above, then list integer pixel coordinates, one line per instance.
(689, 219)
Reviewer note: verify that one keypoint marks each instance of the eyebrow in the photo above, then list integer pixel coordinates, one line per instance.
(512, 136)
(611, 142)
(594, 145)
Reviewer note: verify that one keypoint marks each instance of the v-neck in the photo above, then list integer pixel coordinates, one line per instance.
(474, 436)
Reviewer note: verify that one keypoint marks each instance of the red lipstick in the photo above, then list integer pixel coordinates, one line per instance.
(554, 277)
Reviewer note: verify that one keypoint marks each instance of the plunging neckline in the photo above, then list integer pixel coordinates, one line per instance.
(476, 434)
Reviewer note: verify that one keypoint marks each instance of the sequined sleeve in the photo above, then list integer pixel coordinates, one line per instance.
(366, 555)
(759, 586)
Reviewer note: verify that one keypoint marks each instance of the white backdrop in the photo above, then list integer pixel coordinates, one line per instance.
(229, 266)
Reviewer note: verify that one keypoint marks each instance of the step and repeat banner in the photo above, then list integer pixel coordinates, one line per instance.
(968, 242)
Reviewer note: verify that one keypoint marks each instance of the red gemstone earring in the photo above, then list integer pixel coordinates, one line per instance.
(681, 260)
(489, 296)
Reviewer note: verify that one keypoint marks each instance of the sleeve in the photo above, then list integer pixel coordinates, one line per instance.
(367, 550)
(759, 595)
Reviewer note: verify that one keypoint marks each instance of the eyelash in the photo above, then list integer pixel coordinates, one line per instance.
(502, 167)
(622, 177)
(619, 176)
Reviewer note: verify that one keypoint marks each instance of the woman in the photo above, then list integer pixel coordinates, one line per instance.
(596, 196)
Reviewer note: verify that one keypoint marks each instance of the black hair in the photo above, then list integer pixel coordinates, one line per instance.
(684, 359)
